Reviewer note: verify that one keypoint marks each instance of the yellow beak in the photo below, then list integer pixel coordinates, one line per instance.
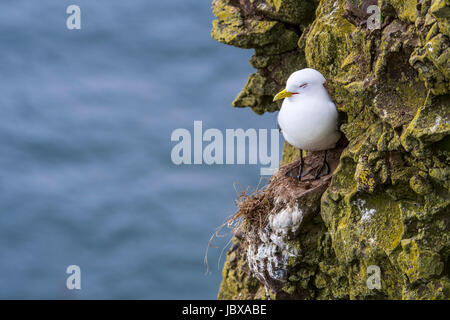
(283, 94)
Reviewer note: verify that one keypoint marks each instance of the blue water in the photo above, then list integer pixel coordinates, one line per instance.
(85, 171)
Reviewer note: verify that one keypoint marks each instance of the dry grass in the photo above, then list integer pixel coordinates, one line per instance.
(254, 207)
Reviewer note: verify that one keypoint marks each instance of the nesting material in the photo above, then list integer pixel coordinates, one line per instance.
(272, 218)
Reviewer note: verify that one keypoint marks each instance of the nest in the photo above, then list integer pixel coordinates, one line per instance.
(283, 190)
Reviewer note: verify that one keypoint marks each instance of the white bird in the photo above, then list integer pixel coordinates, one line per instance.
(308, 117)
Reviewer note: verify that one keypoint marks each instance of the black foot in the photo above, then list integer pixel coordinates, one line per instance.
(321, 172)
(293, 173)
(299, 174)
(290, 174)
(306, 173)
(300, 167)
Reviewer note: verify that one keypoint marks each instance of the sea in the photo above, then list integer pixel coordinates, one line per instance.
(86, 174)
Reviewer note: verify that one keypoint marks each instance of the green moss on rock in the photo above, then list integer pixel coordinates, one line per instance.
(388, 201)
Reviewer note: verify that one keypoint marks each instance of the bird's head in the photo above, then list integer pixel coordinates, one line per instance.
(302, 82)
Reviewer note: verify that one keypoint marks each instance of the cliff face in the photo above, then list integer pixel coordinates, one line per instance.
(387, 204)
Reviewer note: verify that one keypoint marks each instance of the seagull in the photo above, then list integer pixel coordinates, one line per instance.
(308, 117)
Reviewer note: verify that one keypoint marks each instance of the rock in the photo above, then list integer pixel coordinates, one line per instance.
(273, 29)
(387, 203)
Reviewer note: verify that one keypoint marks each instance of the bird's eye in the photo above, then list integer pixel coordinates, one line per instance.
(303, 85)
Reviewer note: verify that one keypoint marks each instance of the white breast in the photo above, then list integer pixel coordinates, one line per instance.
(309, 122)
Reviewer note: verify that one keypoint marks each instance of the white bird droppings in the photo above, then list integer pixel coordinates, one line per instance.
(366, 213)
(268, 255)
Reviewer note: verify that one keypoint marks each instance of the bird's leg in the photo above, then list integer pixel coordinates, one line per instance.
(323, 166)
(300, 168)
